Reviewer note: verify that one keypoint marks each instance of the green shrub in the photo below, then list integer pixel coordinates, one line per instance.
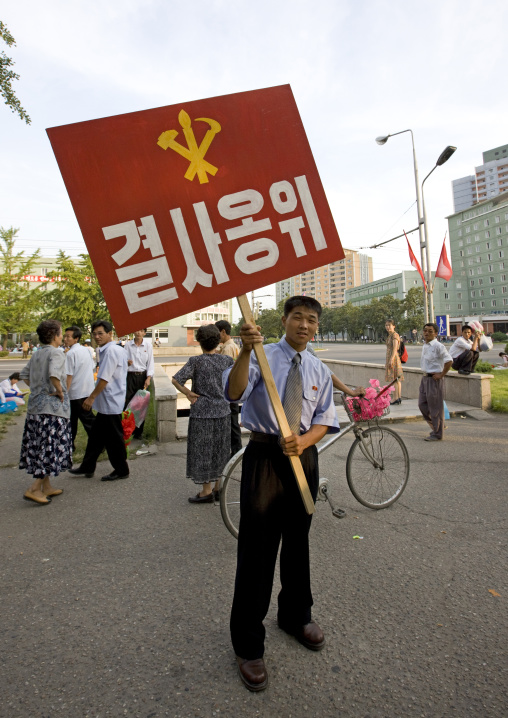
(499, 337)
(506, 349)
(483, 367)
(4, 354)
(271, 340)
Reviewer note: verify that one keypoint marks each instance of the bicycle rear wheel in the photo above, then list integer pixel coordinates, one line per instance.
(377, 467)
(230, 493)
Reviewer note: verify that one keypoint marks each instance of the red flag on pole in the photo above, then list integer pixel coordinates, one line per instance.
(414, 261)
(444, 268)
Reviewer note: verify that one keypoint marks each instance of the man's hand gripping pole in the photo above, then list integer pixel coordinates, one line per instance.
(276, 403)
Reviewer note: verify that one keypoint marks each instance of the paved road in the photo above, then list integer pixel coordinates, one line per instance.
(115, 598)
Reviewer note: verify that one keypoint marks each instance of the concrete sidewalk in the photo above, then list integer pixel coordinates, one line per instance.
(116, 597)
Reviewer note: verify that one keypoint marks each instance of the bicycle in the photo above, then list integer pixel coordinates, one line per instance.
(377, 470)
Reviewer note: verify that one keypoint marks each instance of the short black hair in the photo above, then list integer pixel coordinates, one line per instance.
(390, 320)
(107, 326)
(48, 330)
(432, 324)
(14, 376)
(208, 336)
(308, 302)
(76, 331)
(466, 326)
(223, 324)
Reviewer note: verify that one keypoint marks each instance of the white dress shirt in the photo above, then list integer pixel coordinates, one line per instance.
(113, 369)
(459, 346)
(434, 356)
(79, 364)
(141, 356)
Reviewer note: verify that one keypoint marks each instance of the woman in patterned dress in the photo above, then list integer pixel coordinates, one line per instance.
(393, 368)
(46, 443)
(209, 434)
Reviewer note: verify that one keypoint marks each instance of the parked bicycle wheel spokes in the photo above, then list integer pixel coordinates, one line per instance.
(377, 467)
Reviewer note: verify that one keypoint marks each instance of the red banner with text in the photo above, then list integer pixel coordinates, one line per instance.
(192, 204)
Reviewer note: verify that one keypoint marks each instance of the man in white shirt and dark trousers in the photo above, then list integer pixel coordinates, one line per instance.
(108, 399)
(435, 362)
(140, 369)
(79, 367)
(464, 352)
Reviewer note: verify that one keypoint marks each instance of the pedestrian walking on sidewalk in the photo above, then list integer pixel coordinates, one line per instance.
(107, 399)
(46, 443)
(435, 362)
(80, 382)
(140, 369)
(209, 434)
(393, 366)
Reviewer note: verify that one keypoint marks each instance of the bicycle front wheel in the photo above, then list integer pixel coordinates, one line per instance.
(377, 467)
(230, 493)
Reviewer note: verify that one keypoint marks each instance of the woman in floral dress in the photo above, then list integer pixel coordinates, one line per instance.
(393, 367)
(209, 434)
(46, 444)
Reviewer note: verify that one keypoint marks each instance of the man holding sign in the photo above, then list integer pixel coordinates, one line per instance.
(271, 506)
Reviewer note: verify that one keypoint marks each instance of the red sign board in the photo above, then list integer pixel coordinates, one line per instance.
(188, 205)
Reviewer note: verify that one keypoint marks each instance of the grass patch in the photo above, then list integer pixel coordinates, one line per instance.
(499, 390)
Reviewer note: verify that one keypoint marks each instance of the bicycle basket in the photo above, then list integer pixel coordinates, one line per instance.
(360, 409)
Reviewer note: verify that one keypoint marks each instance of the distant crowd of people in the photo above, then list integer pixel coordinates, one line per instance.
(65, 388)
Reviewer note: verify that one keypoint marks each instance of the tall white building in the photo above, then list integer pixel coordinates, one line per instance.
(284, 289)
(489, 180)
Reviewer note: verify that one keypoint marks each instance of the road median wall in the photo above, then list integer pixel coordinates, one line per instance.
(473, 390)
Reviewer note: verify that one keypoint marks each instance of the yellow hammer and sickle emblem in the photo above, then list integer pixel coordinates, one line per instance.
(193, 153)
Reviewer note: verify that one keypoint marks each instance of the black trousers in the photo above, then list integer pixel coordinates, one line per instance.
(236, 432)
(466, 361)
(271, 509)
(86, 418)
(106, 434)
(135, 381)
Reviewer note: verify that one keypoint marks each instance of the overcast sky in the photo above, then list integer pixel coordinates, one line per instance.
(358, 69)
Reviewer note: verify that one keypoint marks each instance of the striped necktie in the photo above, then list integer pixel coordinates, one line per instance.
(293, 395)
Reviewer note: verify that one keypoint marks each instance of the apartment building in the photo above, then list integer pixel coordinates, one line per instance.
(479, 255)
(489, 180)
(329, 283)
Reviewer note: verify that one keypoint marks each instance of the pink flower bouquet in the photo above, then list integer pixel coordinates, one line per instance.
(373, 404)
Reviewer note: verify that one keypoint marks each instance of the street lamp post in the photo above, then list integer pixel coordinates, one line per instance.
(422, 219)
(382, 141)
(443, 157)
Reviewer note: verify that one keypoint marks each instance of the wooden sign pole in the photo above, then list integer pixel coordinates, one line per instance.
(276, 403)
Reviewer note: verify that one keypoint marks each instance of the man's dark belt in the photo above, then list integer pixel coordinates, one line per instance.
(429, 374)
(138, 373)
(264, 438)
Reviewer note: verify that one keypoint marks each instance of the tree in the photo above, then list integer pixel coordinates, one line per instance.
(7, 76)
(326, 322)
(19, 305)
(75, 297)
(413, 305)
(271, 325)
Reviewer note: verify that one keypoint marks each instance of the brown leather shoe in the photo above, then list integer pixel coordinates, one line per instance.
(310, 635)
(253, 673)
